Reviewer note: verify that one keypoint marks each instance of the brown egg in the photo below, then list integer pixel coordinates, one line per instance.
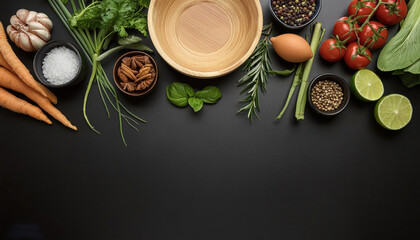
(292, 48)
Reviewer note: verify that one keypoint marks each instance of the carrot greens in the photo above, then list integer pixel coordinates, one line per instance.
(94, 26)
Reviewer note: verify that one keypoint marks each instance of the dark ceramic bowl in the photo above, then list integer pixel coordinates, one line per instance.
(344, 86)
(40, 55)
(315, 14)
(117, 80)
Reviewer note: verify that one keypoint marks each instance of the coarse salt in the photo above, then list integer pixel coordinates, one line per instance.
(60, 65)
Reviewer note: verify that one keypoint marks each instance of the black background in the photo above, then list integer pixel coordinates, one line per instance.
(212, 174)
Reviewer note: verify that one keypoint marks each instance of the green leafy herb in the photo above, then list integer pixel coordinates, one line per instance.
(181, 94)
(93, 26)
(112, 16)
(178, 93)
(195, 103)
(258, 66)
(210, 94)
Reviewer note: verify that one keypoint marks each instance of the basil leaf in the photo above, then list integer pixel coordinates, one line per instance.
(189, 90)
(177, 94)
(195, 103)
(210, 94)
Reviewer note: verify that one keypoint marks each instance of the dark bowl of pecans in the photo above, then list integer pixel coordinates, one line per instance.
(328, 94)
(135, 73)
(295, 14)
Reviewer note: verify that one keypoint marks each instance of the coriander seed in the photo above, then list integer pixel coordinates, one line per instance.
(327, 95)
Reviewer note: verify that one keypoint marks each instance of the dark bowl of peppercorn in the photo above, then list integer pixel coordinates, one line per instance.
(328, 94)
(295, 14)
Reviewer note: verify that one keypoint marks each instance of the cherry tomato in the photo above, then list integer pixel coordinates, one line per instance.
(361, 9)
(371, 40)
(355, 56)
(332, 50)
(345, 29)
(391, 14)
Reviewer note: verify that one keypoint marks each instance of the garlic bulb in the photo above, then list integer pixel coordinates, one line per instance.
(29, 30)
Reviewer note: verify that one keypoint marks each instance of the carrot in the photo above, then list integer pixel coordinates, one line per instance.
(4, 64)
(50, 95)
(9, 101)
(11, 81)
(17, 66)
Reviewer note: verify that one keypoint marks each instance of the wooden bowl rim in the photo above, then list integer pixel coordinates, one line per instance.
(199, 74)
(114, 74)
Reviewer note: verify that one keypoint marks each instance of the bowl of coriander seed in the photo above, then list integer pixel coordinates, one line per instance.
(328, 94)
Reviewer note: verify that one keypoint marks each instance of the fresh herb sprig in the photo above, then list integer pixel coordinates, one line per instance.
(94, 26)
(257, 66)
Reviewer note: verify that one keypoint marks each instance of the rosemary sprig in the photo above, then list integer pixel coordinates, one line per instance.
(257, 66)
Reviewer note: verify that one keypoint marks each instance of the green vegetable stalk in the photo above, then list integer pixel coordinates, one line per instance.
(93, 27)
(302, 75)
(296, 82)
(317, 35)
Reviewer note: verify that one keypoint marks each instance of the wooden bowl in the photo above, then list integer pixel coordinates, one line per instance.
(205, 38)
(117, 79)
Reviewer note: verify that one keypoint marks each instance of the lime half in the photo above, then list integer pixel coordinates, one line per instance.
(366, 85)
(393, 112)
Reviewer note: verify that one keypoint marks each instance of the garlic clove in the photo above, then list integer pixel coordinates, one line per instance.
(44, 20)
(22, 14)
(12, 33)
(36, 26)
(24, 42)
(43, 34)
(31, 16)
(17, 23)
(36, 42)
(9, 31)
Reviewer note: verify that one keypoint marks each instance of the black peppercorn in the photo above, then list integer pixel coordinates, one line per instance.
(294, 12)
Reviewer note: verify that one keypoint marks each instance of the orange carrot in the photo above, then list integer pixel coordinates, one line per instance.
(11, 81)
(50, 95)
(17, 66)
(9, 101)
(4, 64)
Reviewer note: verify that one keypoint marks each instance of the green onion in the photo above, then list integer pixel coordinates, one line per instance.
(91, 44)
